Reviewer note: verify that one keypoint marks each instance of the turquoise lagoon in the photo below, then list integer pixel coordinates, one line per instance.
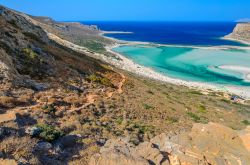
(204, 64)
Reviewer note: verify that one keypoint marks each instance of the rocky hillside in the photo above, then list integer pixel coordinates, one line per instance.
(240, 33)
(59, 106)
(77, 33)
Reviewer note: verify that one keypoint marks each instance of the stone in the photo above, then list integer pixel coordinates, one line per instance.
(43, 146)
(67, 141)
(33, 131)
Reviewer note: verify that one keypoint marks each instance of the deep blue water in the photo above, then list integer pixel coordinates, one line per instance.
(173, 33)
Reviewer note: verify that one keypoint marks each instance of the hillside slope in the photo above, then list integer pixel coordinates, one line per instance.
(240, 33)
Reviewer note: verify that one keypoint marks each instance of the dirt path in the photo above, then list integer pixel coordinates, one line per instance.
(119, 89)
(91, 98)
(7, 116)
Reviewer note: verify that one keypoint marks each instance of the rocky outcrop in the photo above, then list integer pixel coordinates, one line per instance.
(240, 33)
(206, 144)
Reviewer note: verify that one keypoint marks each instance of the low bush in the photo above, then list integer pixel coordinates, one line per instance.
(246, 122)
(172, 120)
(49, 109)
(30, 54)
(202, 109)
(197, 119)
(98, 79)
(147, 107)
(33, 36)
(48, 132)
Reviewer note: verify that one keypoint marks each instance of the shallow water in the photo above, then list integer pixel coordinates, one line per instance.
(215, 66)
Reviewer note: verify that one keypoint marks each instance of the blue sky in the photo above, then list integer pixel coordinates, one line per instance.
(140, 10)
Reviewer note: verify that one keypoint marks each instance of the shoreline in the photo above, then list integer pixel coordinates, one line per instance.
(124, 42)
(130, 66)
(115, 32)
(228, 37)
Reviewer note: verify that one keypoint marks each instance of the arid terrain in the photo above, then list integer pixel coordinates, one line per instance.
(59, 106)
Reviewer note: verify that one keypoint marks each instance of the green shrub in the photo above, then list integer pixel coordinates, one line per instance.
(98, 79)
(13, 23)
(194, 117)
(30, 54)
(147, 107)
(48, 132)
(197, 119)
(49, 109)
(172, 120)
(195, 92)
(33, 36)
(246, 122)
(119, 121)
(226, 101)
(202, 109)
(143, 128)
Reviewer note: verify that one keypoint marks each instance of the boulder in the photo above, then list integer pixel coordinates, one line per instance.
(67, 141)
(33, 131)
(43, 146)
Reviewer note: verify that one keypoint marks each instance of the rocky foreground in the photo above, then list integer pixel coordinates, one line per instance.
(206, 144)
(240, 33)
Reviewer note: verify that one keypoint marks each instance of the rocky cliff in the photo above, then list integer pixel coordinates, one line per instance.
(240, 33)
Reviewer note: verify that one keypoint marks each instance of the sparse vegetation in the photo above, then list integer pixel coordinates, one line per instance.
(98, 79)
(172, 120)
(147, 107)
(49, 109)
(13, 23)
(195, 92)
(202, 109)
(225, 100)
(32, 36)
(30, 54)
(196, 118)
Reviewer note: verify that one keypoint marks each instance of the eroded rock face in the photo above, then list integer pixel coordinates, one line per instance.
(206, 144)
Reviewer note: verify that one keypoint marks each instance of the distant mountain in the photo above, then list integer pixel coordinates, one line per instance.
(243, 20)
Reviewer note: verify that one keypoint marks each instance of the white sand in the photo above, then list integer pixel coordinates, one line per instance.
(245, 71)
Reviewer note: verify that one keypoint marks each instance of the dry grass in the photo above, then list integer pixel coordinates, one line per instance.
(6, 101)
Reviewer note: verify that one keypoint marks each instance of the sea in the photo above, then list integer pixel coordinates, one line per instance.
(190, 51)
